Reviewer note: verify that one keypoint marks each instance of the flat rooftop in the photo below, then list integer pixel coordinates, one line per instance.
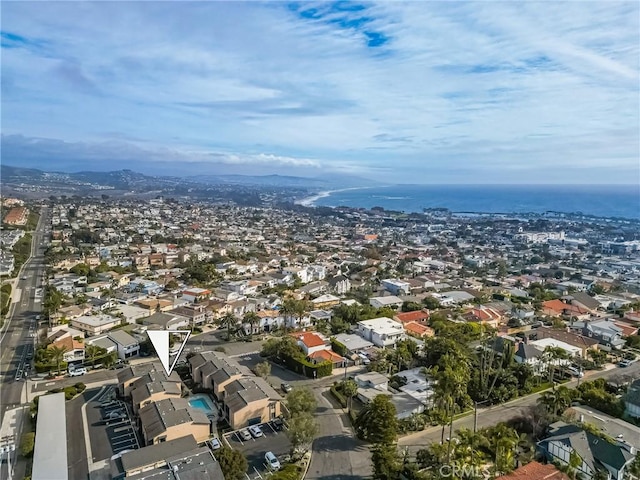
(50, 454)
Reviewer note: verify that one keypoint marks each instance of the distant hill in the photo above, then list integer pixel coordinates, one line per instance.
(128, 180)
(285, 180)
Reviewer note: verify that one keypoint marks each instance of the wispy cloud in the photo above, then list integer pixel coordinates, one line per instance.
(481, 88)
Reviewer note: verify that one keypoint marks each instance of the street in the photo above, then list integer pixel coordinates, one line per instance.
(502, 413)
(15, 342)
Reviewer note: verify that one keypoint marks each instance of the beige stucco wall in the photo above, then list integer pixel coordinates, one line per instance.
(200, 432)
(260, 408)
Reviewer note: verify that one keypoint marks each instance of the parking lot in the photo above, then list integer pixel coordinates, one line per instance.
(110, 427)
(254, 449)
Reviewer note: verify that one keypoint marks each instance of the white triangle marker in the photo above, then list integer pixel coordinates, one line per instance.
(160, 341)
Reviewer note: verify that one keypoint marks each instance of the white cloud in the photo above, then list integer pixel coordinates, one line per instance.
(527, 85)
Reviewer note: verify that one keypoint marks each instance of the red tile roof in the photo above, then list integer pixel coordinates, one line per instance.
(417, 316)
(310, 339)
(560, 307)
(418, 329)
(535, 471)
(326, 355)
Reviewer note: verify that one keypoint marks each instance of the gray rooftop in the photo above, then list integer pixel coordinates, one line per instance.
(147, 456)
(50, 455)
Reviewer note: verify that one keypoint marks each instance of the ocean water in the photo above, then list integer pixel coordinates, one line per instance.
(599, 200)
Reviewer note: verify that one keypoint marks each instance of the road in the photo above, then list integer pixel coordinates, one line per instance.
(15, 341)
(14, 338)
(501, 413)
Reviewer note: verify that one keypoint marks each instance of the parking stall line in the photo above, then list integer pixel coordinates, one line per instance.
(272, 429)
(239, 439)
(126, 435)
(260, 476)
(124, 442)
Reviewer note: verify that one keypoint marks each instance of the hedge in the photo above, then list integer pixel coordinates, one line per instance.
(288, 472)
(307, 368)
(339, 396)
(338, 347)
(27, 443)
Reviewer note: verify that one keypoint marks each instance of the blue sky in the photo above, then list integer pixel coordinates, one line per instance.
(415, 92)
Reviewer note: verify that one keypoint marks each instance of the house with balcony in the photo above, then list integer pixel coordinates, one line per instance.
(382, 332)
(73, 348)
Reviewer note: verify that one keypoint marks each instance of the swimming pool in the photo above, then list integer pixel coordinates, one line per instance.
(203, 402)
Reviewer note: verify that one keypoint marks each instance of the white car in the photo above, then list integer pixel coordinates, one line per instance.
(255, 431)
(244, 434)
(215, 444)
(272, 461)
(77, 372)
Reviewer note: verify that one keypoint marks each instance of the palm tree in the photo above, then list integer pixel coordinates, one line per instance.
(552, 357)
(252, 319)
(56, 355)
(229, 321)
(92, 352)
(556, 401)
(505, 440)
(349, 389)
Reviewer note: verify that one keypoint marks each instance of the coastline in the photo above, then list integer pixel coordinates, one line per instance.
(310, 200)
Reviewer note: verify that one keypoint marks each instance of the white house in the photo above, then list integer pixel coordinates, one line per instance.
(396, 287)
(340, 284)
(382, 332)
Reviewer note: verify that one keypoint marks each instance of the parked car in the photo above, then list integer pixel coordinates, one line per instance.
(215, 444)
(255, 431)
(277, 424)
(115, 415)
(272, 461)
(624, 363)
(575, 372)
(244, 434)
(77, 372)
(286, 388)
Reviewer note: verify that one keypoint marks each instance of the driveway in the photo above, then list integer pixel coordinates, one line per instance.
(255, 448)
(337, 454)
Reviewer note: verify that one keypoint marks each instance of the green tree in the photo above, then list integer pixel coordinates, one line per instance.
(556, 401)
(377, 422)
(56, 356)
(252, 319)
(300, 400)
(301, 432)
(232, 463)
(263, 369)
(92, 352)
(230, 322)
(349, 389)
(386, 462)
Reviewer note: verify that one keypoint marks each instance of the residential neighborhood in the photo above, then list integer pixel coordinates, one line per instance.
(379, 308)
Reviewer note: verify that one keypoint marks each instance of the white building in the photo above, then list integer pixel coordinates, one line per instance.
(382, 332)
(396, 287)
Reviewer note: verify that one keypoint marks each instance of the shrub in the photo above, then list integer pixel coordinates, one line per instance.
(27, 443)
(70, 392)
(339, 396)
(288, 472)
(80, 387)
(220, 349)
